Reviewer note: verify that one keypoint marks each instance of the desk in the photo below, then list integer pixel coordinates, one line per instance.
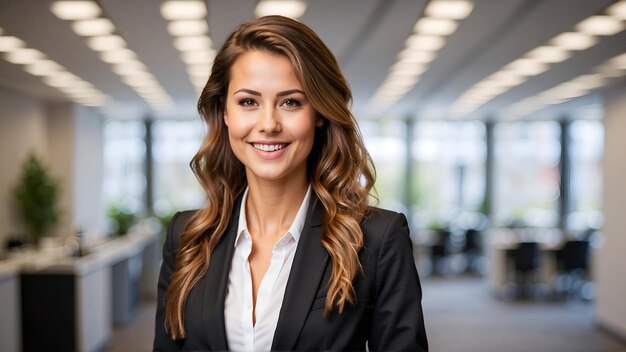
(500, 240)
(67, 303)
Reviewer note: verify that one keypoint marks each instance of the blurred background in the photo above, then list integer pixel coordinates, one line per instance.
(496, 126)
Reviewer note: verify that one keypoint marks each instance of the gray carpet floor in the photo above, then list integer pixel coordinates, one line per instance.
(462, 315)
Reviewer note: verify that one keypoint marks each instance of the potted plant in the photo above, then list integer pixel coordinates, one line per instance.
(37, 195)
(121, 219)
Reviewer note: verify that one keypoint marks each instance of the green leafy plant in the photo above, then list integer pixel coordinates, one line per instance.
(165, 219)
(122, 219)
(37, 195)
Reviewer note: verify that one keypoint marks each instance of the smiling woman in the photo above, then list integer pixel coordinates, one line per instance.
(270, 122)
(287, 254)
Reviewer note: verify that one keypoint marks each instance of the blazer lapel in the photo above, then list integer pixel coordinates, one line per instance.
(215, 283)
(306, 273)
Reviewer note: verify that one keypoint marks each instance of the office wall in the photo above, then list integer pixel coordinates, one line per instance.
(23, 129)
(611, 258)
(69, 140)
(88, 169)
(60, 159)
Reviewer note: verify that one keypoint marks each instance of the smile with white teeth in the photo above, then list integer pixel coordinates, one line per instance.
(269, 147)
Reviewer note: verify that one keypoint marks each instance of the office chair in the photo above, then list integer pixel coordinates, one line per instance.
(525, 260)
(573, 267)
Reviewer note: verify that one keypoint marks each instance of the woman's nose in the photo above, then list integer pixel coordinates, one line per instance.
(268, 121)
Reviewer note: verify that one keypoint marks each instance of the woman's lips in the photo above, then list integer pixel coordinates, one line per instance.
(269, 151)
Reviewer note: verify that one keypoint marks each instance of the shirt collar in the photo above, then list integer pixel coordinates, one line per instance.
(295, 230)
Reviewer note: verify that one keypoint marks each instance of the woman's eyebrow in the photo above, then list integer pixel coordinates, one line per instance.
(249, 91)
(291, 91)
(279, 94)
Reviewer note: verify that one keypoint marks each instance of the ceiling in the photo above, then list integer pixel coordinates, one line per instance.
(365, 35)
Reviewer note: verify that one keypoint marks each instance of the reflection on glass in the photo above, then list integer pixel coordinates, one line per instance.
(586, 150)
(175, 185)
(526, 173)
(449, 164)
(124, 155)
(385, 141)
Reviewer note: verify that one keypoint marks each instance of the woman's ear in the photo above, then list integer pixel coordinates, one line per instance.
(319, 122)
(225, 114)
(225, 118)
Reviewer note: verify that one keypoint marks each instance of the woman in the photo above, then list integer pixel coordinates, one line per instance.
(286, 255)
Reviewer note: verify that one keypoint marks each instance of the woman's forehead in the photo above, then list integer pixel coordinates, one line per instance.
(263, 71)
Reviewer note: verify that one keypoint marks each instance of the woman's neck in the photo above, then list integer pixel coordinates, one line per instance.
(271, 207)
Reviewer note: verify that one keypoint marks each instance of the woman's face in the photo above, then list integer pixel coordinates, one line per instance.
(271, 124)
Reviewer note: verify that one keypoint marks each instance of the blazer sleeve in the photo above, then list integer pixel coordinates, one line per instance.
(162, 340)
(397, 321)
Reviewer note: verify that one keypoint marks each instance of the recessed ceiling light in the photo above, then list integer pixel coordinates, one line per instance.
(420, 56)
(590, 81)
(192, 43)
(198, 57)
(288, 8)
(81, 87)
(140, 75)
(402, 80)
(106, 43)
(129, 67)
(435, 26)
(490, 91)
(509, 81)
(618, 62)
(118, 56)
(609, 71)
(601, 25)
(527, 67)
(183, 10)
(425, 42)
(82, 93)
(199, 70)
(549, 54)
(187, 27)
(150, 90)
(449, 9)
(75, 10)
(89, 28)
(10, 44)
(138, 81)
(61, 79)
(403, 68)
(574, 41)
(24, 56)
(43, 68)
(618, 10)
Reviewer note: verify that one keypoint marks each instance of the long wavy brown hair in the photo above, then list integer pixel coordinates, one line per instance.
(339, 168)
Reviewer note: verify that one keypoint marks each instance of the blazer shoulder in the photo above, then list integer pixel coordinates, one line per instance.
(378, 222)
(177, 226)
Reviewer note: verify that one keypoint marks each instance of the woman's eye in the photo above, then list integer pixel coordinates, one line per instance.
(247, 103)
(291, 103)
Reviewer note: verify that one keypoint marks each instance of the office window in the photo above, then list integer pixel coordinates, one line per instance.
(124, 156)
(586, 150)
(449, 169)
(526, 173)
(385, 141)
(175, 185)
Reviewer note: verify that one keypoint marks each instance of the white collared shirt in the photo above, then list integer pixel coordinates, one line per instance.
(241, 333)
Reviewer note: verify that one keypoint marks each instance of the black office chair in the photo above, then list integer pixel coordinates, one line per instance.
(472, 250)
(439, 251)
(525, 260)
(573, 267)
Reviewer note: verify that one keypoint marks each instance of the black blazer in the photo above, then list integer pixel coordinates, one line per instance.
(387, 313)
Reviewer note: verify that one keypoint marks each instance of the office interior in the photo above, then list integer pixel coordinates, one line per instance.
(496, 126)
